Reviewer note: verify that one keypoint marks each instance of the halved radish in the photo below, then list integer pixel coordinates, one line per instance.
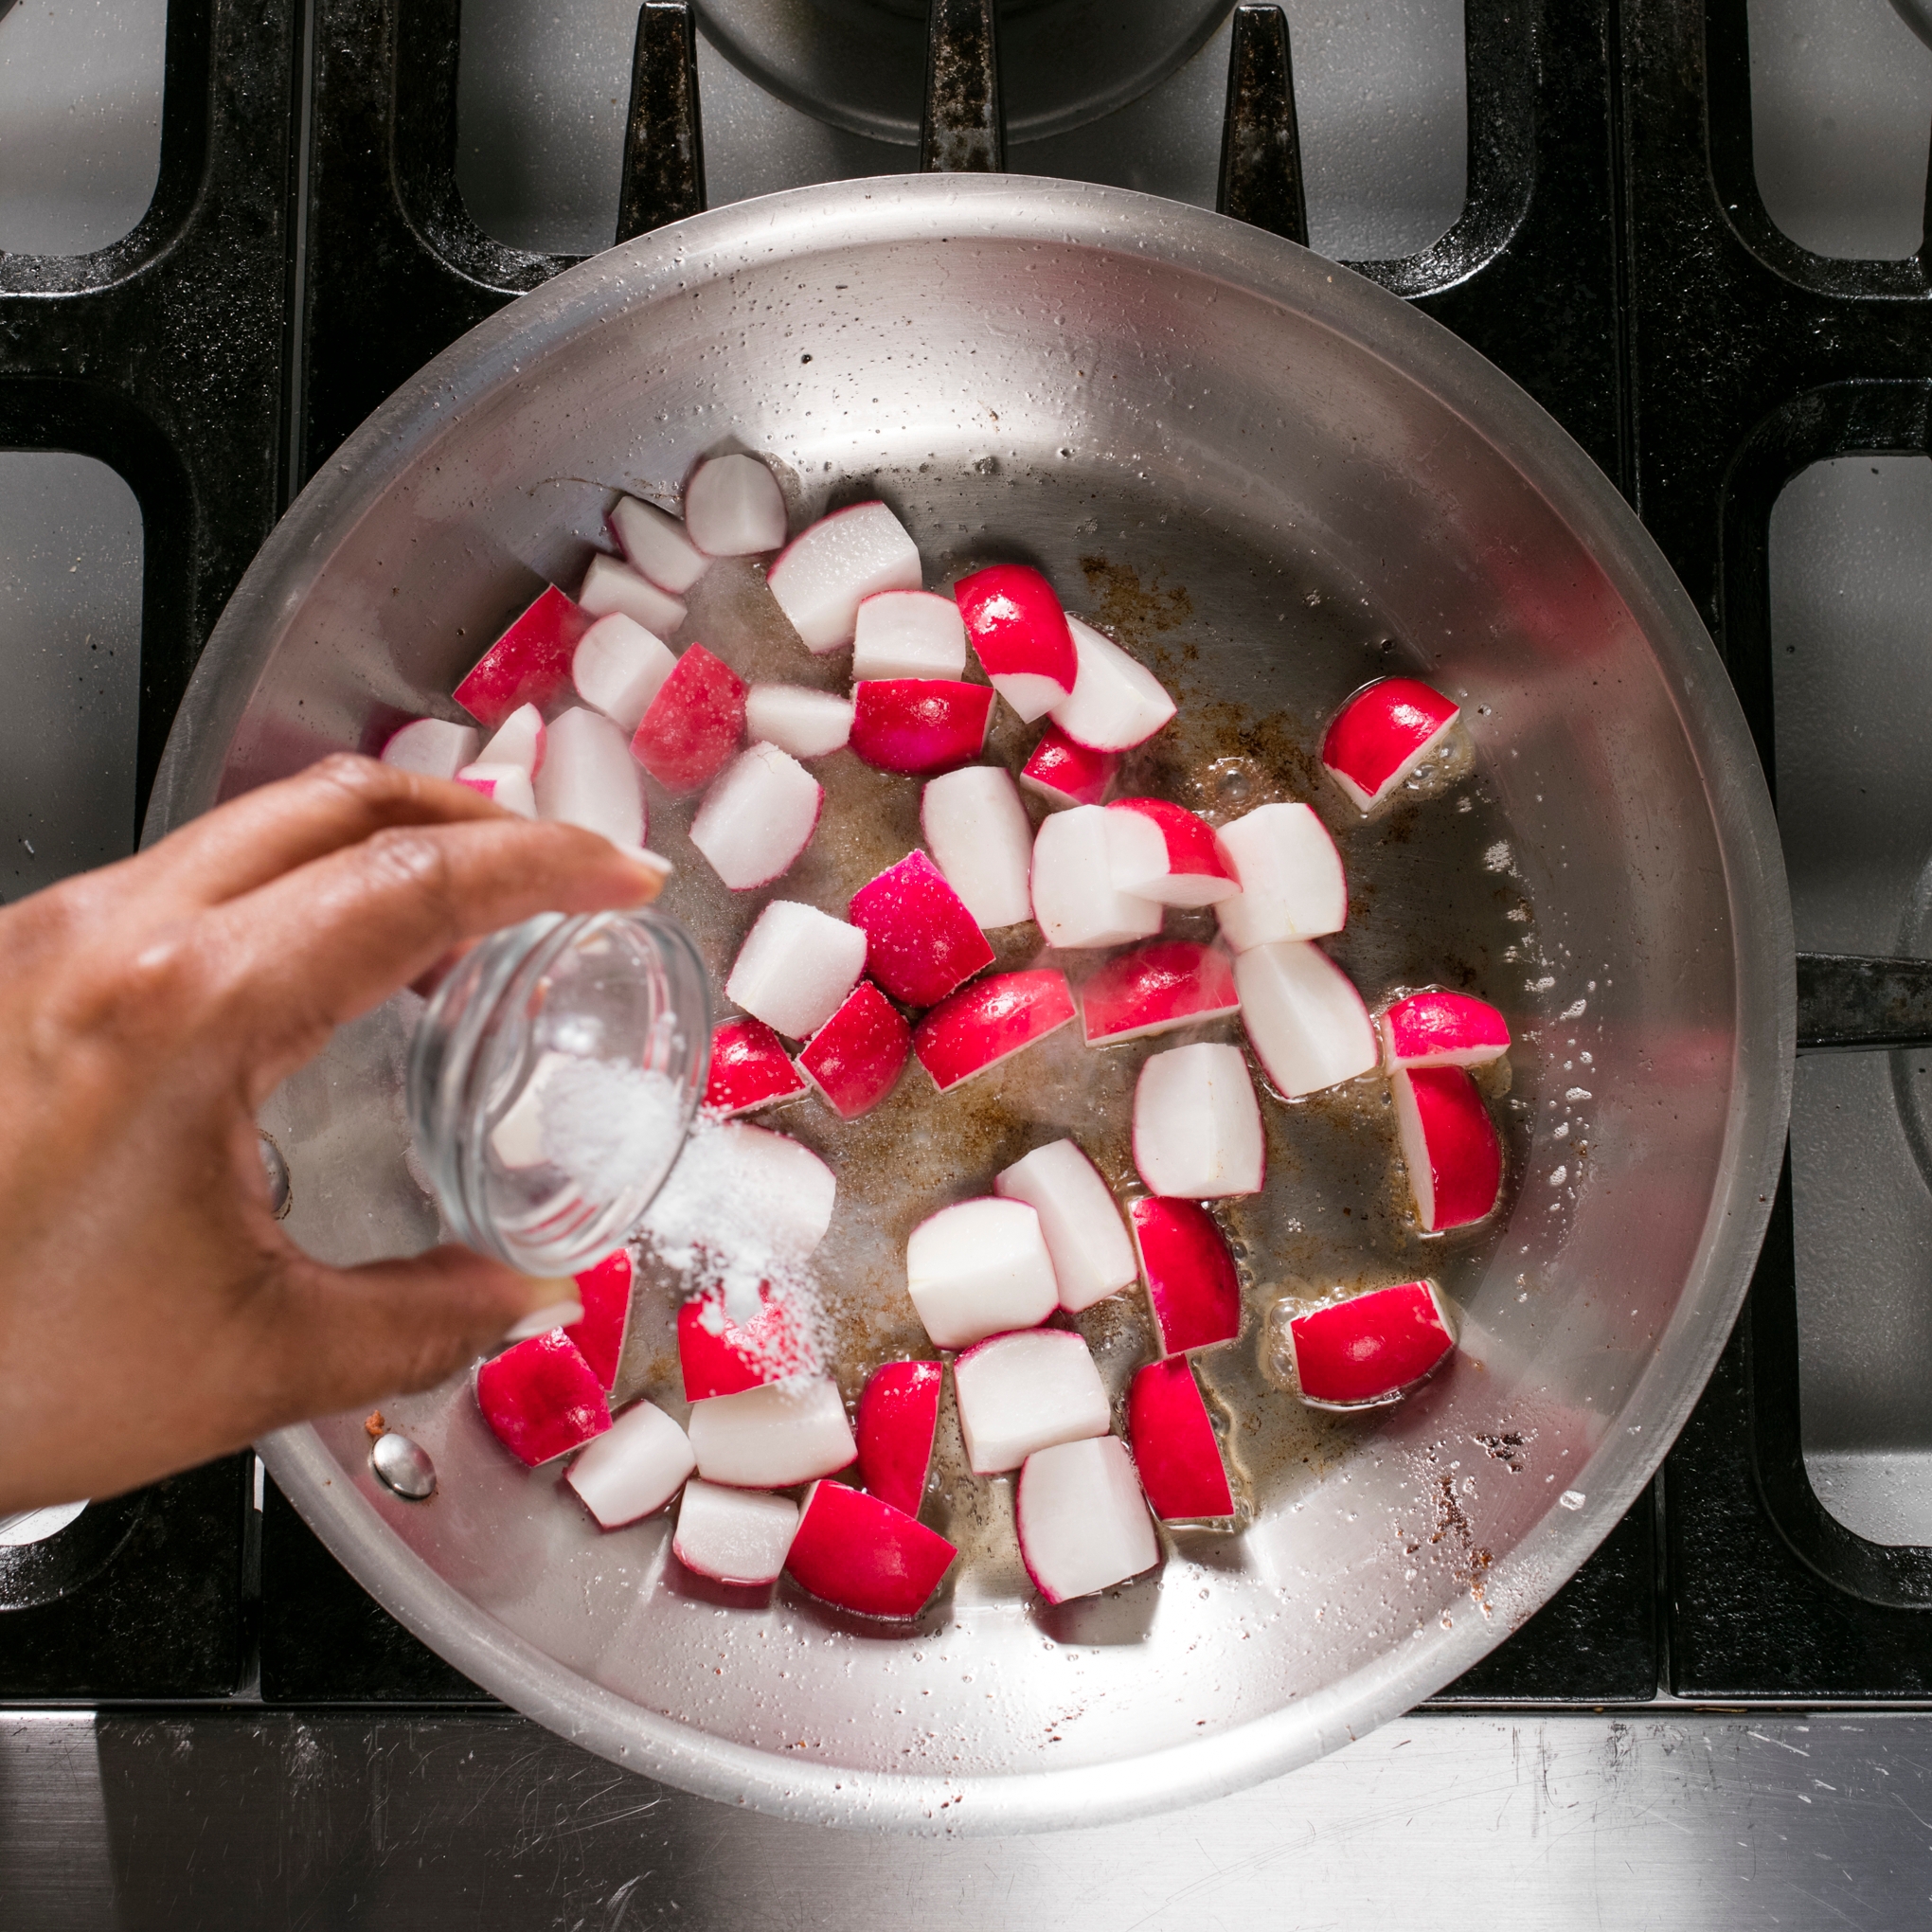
(432, 746)
(758, 817)
(610, 586)
(861, 1553)
(1382, 734)
(1303, 1016)
(1064, 772)
(633, 1468)
(981, 1025)
(980, 839)
(921, 940)
(542, 1398)
(824, 576)
(1020, 636)
(1175, 1449)
(977, 1267)
(1449, 1145)
(733, 1535)
(656, 544)
(734, 507)
(1372, 1348)
(855, 1058)
(604, 1293)
(919, 725)
(1021, 1392)
(619, 666)
(1192, 1285)
(589, 777)
(1291, 883)
(807, 723)
(908, 633)
(1163, 851)
(692, 725)
(776, 1185)
(719, 1356)
(1092, 1255)
(898, 1415)
(772, 1436)
(1082, 1522)
(1197, 1128)
(508, 785)
(1075, 899)
(529, 665)
(1117, 703)
(1154, 988)
(749, 1068)
(795, 967)
(1442, 1030)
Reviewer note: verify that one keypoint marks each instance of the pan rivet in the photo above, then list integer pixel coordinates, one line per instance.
(404, 1467)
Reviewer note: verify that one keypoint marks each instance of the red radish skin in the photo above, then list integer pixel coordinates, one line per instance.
(921, 940)
(1442, 1030)
(1020, 636)
(542, 1398)
(749, 1068)
(1186, 867)
(693, 725)
(758, 817)
(899, 1416)
(980, 1026)
(605, 1293)
(919, 725)
(529, 665)
(718, 1357)
(825, 573)
(1175, 1449)
(858, 1552)
(1192, 1285)
(1064, 772)
(1371, 1349)
(1449, 1144)
(1382, 734)
(1155, 988)
(854, 1059)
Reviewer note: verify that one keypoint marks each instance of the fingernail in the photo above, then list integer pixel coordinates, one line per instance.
(654, 869)
(557, 1305)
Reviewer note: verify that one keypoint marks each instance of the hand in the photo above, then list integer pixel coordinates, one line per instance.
(152, 1313)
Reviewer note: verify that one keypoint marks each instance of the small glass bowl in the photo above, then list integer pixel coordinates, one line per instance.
(552, 1080)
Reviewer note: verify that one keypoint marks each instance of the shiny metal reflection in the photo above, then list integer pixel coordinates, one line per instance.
(404, 1467)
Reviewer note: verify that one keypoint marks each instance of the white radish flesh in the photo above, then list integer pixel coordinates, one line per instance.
(517, 1140)
(656, 544)
(980, 838)
(1197, 1128)
(772, 1436)
(590, 780)
(508, 785)
(610, 586)
(734, 1535)
(734, 507)
(619, 666)
(1019, 1393)
(908, 633)
(805, 722)
(794, 967)
(1083, 1524)
(1092, 1255)
(1074, 897)
(635, 1467)
(1304, 1018)
(1291, 883)
(776, 1194)
(1115, 701)
(827, 573)
(518, 740)
(978, 1267)
(758, 817)
(432, 746)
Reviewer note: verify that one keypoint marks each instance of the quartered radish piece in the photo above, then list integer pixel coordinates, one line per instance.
(719, 1356)
(1115, 701)
(1163, 851)
(919, 725)
(1020, 636)
(633, 1468)
(824, 576)
(1192, 1285)
(1075, 899)
(1292, 884)
(795, 1190)
(619, 666)
(692, 725)
(983, 1024)
(1064, 772)
(795, 967)
(604, 1294)
(542, 1398)
(1083, 1524)
(921, 940)
(1154, 988)
(1175, 1449)
(1449, 1145)
(1018, 1393)
(749, 1068)
(1373, 1347)
(734, 507)
(1092, 1255)
(611, 586)
(861, 1553)
(433, 747)
(1197, 1128)
(656, 544)
(758, 817)
(529, 665)
(1303, 1016)
(981, 840)
(772, 1436)
(807, 723)
(908, 633)
(1382, 734)
(1442, 1030)
(588, 778)
(733, 1535)
(854, 1059)
(898, 1415)
(508, 785)
(977, 1267)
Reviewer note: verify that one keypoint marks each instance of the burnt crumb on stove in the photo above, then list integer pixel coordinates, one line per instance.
(1451, 1522)
(1122, 602)
(374, 1425)
(1510, 1449)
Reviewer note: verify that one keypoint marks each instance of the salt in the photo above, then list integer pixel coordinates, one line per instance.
(608, 1125)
